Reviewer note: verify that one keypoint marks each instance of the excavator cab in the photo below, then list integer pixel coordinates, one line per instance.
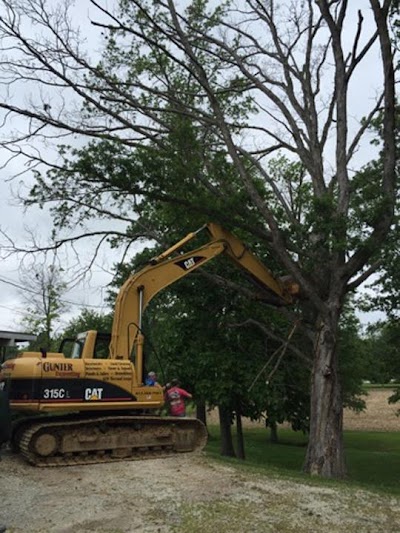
(87, 345)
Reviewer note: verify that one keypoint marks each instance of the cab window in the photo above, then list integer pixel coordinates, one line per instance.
(101, 349)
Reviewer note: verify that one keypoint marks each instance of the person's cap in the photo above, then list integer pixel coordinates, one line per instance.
(152, 373)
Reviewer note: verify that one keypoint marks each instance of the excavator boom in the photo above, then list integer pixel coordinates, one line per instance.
(164, 270)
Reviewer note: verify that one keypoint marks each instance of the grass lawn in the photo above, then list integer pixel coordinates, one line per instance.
(373, 458)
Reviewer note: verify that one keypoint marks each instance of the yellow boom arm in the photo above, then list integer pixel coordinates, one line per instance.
(164, 270)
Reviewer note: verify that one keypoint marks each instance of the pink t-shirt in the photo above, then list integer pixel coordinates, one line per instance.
(175, 396)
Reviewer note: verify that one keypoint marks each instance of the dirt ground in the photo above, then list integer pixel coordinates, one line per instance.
(190, 494)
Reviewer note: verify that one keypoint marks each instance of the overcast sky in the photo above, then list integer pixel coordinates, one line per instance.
(14, 221)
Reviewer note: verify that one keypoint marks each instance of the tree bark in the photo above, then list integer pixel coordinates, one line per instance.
(273, 433)
(201, 412)
(239, 437)
(325, 452)
(225, 417)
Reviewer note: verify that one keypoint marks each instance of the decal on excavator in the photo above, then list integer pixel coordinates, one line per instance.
(55, 394)
(190, 262)
(54, 367)
(93, 394)
(65, 391)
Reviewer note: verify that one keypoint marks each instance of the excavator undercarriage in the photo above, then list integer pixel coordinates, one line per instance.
(73, 439)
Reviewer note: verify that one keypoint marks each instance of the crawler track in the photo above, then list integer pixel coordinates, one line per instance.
(59, 441)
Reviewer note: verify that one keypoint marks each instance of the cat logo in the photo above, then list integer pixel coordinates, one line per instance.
(93, 394)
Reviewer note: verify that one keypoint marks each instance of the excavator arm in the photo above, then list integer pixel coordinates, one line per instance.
(166, 269)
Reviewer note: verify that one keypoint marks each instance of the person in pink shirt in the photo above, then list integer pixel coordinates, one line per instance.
(175, 396)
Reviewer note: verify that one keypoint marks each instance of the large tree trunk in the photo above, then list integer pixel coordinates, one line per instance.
(225, 424)
(325, 452)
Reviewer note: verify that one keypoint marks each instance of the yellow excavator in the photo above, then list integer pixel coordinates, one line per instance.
(97, 406)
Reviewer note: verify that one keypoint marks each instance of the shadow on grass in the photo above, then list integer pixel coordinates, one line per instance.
(372, 458)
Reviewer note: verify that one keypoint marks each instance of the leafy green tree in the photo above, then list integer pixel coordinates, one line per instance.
(352, 359)
(381, 345)
(86, 320)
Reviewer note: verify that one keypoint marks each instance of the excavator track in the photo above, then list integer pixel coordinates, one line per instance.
(62, 442)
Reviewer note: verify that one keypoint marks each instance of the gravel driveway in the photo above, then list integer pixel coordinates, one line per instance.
(181, 494)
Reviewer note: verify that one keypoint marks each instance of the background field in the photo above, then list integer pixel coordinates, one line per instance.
(379, 415)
